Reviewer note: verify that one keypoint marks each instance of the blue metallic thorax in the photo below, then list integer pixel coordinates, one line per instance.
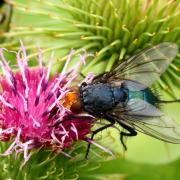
(99, 98)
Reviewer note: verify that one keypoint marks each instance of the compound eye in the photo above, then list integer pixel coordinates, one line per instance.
(76, 107)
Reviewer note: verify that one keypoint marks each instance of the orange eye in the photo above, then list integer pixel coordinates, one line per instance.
(76, 107)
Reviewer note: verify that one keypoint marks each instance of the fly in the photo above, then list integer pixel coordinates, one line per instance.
(123, 96)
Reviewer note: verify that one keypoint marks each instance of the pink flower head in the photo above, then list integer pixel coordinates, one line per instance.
(30, 106)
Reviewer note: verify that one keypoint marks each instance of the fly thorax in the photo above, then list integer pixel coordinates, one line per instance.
(119, 94)
(97, 98)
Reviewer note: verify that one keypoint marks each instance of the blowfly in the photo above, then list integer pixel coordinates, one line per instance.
(123, 96)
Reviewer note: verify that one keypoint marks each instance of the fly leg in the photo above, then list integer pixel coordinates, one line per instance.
(131, 132)
(71, 117)
(112, 122)
(82, 75)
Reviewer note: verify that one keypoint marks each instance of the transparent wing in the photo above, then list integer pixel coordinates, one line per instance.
(148, 119)
(144, 67)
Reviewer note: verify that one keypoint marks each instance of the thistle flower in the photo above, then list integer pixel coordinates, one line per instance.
(31, 105)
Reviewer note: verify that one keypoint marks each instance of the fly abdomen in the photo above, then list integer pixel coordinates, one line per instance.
(146, 95)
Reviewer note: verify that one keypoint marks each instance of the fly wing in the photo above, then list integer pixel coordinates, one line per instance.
(144, 67)
(148, 119)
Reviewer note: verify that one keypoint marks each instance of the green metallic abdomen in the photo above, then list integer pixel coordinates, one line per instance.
(146, 95)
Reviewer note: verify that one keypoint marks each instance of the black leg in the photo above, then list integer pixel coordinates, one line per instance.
(94, 133)
(131, 131)
(71, 117)
(82, 75)
(75, 116)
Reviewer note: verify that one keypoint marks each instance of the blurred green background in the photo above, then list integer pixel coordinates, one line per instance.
(112, 30)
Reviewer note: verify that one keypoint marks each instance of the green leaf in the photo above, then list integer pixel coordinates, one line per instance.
(139, 171)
